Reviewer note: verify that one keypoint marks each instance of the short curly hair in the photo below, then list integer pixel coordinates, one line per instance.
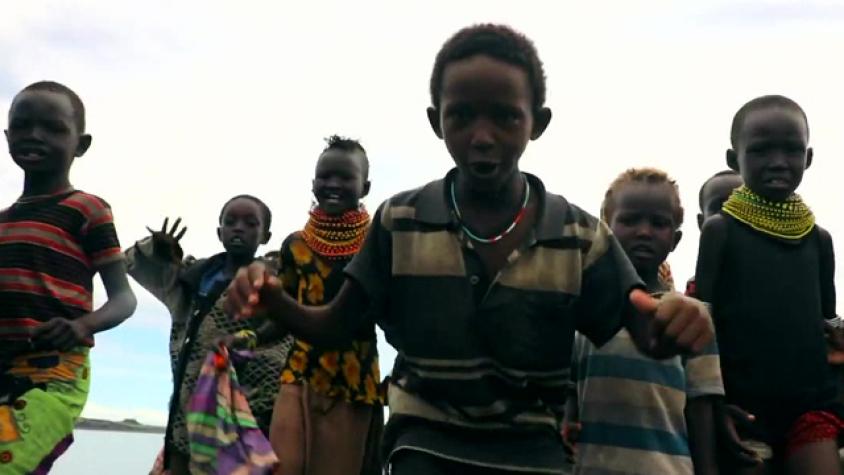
(497, 41)
(338, 142)
(75, 101)
(762, 103)
(653, 176)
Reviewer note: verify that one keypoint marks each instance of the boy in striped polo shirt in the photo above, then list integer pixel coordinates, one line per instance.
(637, 415)
(480, 279)
(53, 240)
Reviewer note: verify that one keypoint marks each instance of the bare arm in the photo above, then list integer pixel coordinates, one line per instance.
(700, 419)
(65, 334)
(121, 300)
(254, 291)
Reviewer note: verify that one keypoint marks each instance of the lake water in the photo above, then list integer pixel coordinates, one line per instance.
(103, 452)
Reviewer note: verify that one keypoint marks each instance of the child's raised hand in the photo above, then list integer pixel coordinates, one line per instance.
(165, 242)
(62, 334)
(679, 324)
(243, 299)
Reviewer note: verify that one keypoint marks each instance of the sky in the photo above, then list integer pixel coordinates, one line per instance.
(193, 102)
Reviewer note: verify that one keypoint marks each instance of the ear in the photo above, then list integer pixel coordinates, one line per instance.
(809, 154)
(434, 120)
(678, 235)
(366, 186)
(700, 220)
(220, 234)
(267, 237)
(541, 119)
(732, 160)
(84, 144)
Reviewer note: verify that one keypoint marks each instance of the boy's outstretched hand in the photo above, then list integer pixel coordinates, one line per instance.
(678, 324)
(243, 299)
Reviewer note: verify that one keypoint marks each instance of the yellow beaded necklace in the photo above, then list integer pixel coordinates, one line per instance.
(790, 219)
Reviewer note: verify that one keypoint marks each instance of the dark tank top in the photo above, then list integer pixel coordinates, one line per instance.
(769, 316)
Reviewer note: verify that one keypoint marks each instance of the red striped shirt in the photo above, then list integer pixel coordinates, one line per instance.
(50, 250)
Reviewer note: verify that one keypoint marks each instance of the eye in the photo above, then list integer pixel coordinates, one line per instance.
(460, 114)
(508, 116)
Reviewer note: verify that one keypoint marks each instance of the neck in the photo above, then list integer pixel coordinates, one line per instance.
(505, 198)
(235, 262)
(35, 184)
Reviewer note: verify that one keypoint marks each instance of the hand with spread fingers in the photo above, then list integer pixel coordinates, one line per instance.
(165, 243)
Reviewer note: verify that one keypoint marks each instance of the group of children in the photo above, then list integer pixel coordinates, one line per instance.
(529, 333)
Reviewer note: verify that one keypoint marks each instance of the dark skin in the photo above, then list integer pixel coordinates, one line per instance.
(771, 156)
(486, 118)
(44, 140)
(340, 181)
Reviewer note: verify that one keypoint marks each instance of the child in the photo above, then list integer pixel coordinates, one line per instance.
(53, 241)
(768, 271)
(711, 197)
(329, 411)
(191, 292)
(714, 192)
(638, 415)
(479, 280)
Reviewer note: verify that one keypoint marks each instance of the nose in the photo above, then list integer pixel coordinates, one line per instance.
(482, 137)
(778, 160)
(333, 182)
(644, 229)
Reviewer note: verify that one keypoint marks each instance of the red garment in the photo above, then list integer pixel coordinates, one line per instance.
(815, 426)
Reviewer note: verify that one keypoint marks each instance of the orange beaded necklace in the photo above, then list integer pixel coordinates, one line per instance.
(336, 237)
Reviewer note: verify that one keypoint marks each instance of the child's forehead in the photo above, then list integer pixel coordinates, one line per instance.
(45, 102)
(774, 120)
(482, 71)
(241, 206)
(337, 157)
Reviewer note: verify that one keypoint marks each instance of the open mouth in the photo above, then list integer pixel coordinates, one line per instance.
(483, 168)
(778, 182)
(237, 241)
(30, 154)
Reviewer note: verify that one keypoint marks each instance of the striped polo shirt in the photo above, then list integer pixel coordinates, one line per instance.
(632, 407)
(484, 361)
(50, 250)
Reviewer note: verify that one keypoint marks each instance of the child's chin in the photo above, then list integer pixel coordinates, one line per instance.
(334, 209)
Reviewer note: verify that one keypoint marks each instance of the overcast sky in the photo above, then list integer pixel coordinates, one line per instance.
(193, 102)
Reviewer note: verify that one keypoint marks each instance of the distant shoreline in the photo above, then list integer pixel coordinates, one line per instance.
(128, 425)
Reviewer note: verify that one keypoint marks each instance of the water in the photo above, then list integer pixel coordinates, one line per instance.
(103, 452)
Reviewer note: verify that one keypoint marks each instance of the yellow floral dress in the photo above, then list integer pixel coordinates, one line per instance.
(349, 372)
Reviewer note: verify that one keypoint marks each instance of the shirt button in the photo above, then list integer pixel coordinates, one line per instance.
(474, 280)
